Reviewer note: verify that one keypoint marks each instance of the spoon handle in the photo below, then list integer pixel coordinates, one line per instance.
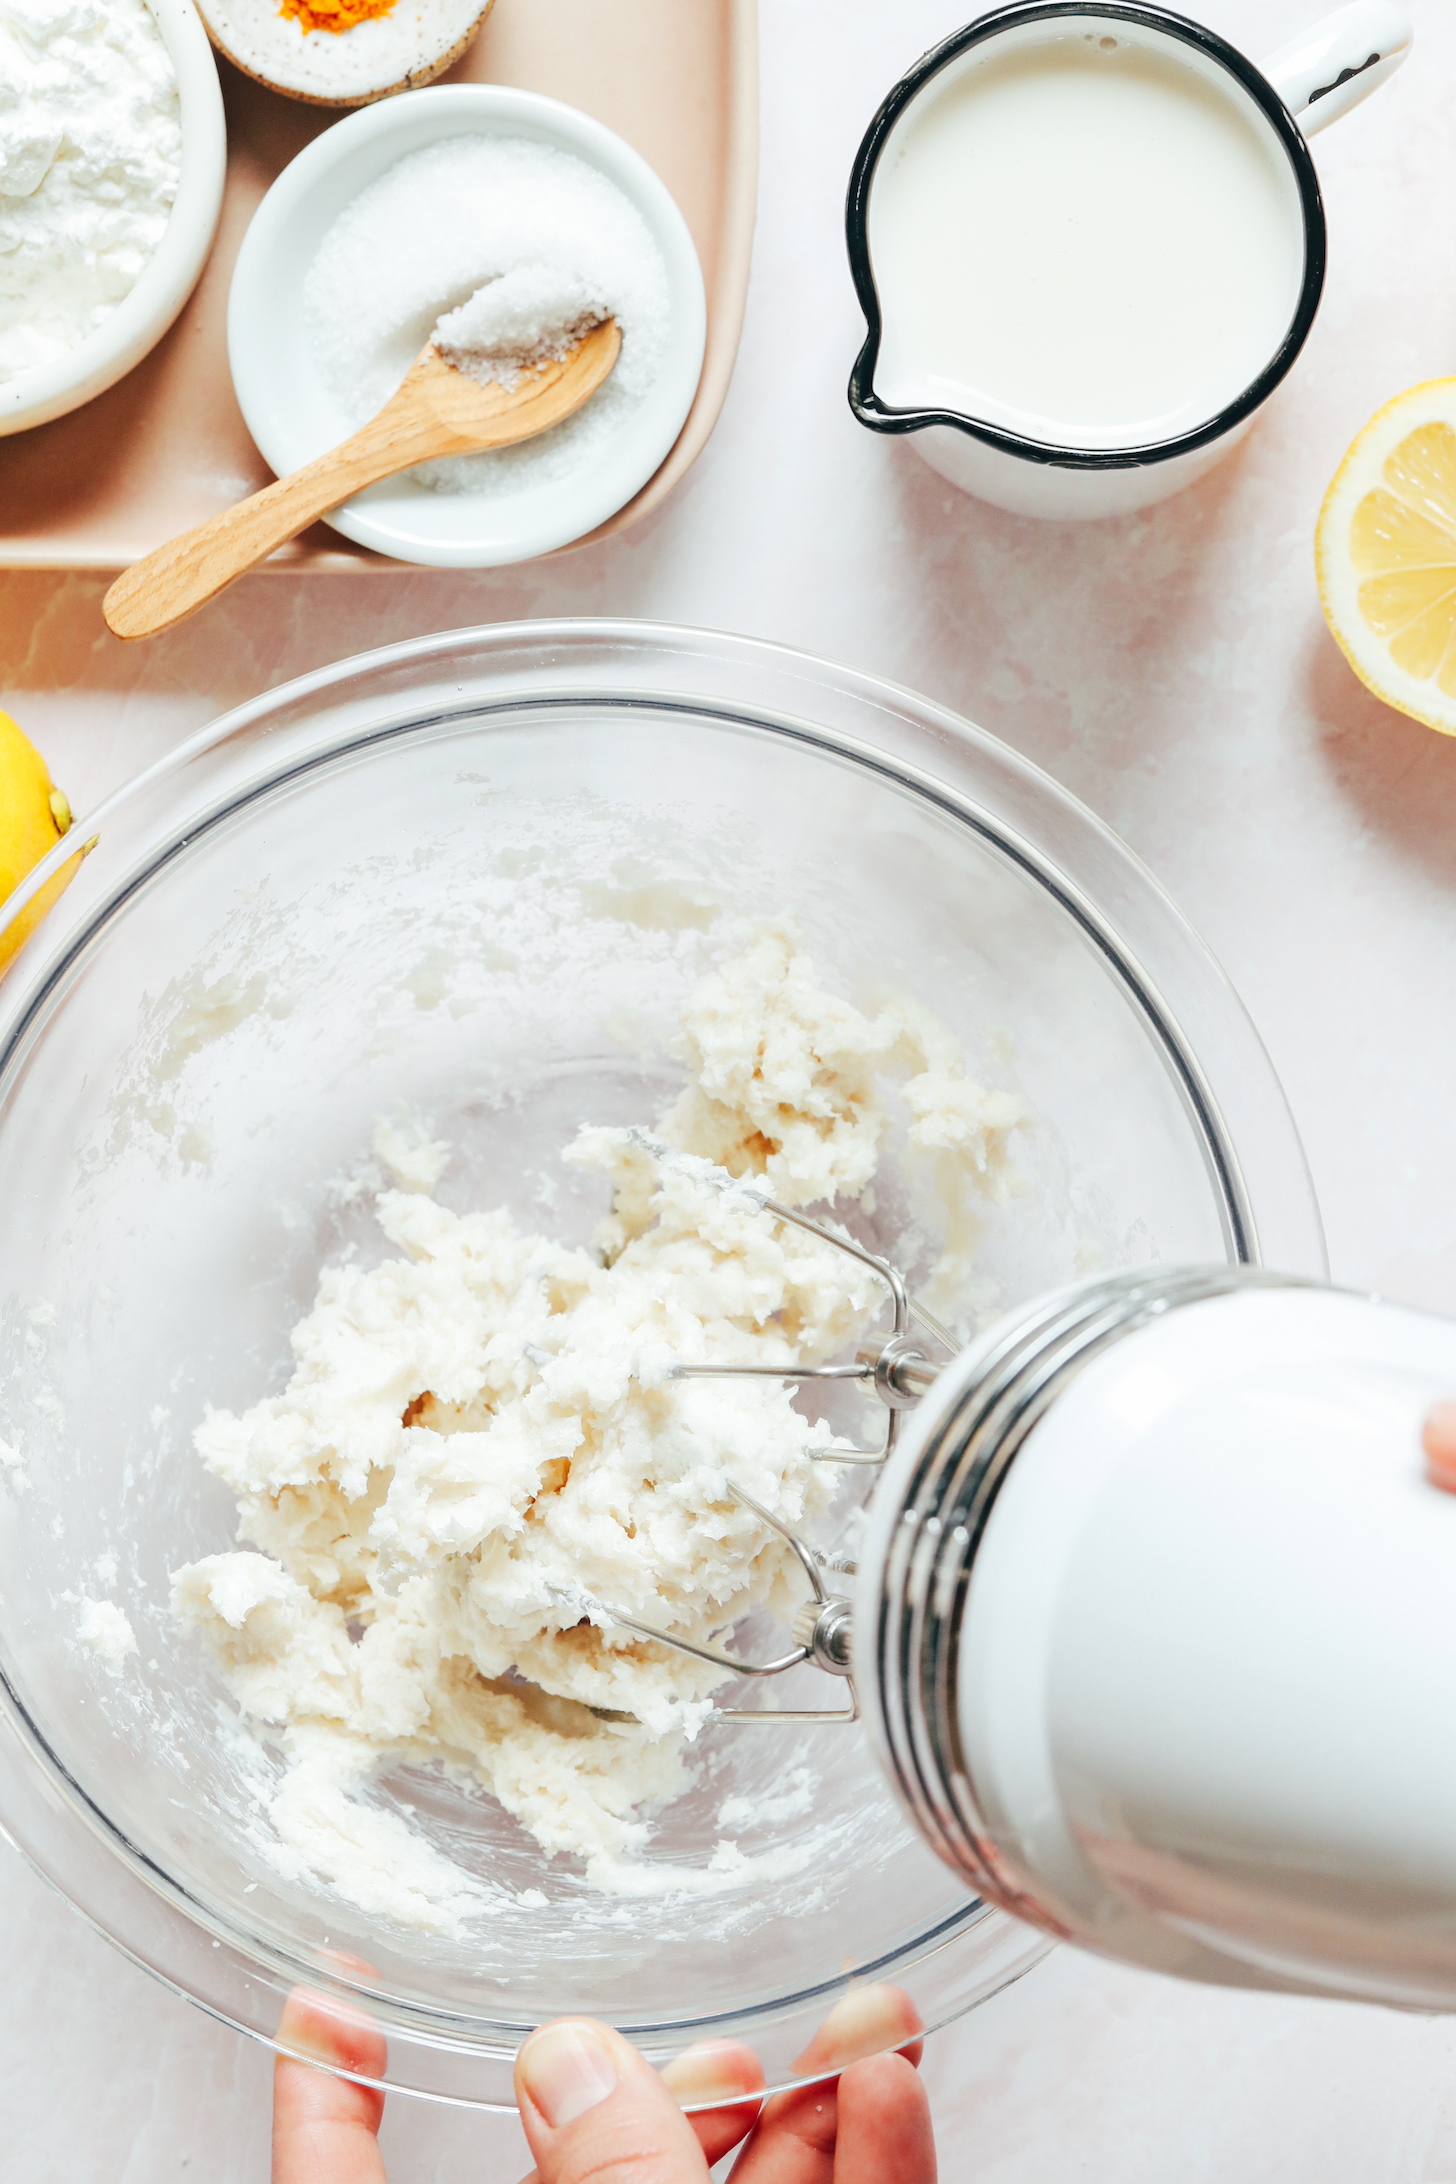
(435, 411)
(169, 583)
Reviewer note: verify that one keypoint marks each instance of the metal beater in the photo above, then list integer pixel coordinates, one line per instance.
(898, 1371)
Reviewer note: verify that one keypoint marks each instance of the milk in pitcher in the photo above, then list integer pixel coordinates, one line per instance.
(1083, 238)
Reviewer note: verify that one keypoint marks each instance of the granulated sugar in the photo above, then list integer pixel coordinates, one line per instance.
(534, 244)
(529, 314)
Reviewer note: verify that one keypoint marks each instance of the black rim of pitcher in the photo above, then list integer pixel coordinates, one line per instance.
(880, 417)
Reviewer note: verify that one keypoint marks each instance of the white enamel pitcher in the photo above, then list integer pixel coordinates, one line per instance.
(1068, 473)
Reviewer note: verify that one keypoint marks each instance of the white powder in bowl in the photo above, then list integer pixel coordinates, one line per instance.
(90, 155)
(534, 244)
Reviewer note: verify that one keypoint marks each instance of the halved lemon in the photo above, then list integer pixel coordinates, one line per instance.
(1385, 554)
(33, 817)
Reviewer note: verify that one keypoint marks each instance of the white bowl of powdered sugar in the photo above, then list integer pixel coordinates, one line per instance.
(515, 221)
(113, 149)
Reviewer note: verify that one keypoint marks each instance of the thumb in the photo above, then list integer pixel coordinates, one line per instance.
(592, 2107)
(1438, 1438)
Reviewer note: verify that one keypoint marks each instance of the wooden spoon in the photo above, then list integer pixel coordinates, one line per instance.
(437, 411)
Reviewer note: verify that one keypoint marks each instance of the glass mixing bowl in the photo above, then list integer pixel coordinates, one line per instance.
(476, 875)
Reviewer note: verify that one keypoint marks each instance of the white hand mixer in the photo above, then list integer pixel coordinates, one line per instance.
(1155, 1624)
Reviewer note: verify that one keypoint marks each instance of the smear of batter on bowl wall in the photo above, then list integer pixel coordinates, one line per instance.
(482, 1430)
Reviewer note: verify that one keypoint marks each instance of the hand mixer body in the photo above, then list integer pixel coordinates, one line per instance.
(1155, 1631)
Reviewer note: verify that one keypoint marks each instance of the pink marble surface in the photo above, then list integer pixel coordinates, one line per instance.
(1171, 668)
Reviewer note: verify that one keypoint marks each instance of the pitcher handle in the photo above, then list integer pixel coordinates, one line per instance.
(1340, 60)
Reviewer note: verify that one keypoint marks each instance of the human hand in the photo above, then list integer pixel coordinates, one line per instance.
(326, 2128)
(593, 2108)
(1438, 1438)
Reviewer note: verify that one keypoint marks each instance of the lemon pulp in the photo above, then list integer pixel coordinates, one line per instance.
(1385, 550)
(1403, 547)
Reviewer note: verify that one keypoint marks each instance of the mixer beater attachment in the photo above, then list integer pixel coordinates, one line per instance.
(899, 1372)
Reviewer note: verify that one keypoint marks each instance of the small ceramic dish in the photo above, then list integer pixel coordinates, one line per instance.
(290, 410)
(170, 274)
(373, 59)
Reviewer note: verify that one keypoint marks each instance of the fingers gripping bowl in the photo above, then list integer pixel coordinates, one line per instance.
(476, 877)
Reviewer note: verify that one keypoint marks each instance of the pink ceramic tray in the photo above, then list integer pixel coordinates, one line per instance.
(168, 446)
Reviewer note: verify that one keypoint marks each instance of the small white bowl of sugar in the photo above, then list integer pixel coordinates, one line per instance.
(529, 220)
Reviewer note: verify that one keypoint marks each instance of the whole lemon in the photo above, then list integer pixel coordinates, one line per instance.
(33, 817)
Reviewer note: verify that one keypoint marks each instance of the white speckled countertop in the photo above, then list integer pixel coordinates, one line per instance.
(1174, 671)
